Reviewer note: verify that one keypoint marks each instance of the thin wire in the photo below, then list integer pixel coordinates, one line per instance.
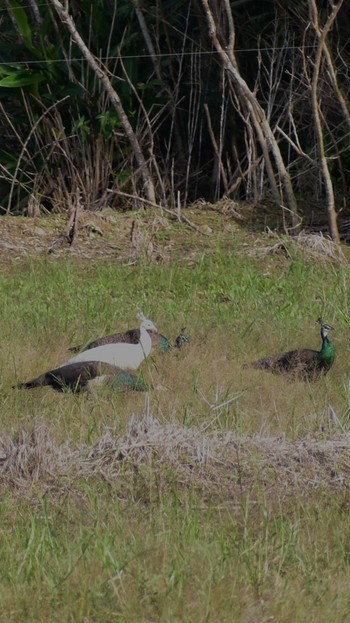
(165, 55)
(131, 56)
(23, 6)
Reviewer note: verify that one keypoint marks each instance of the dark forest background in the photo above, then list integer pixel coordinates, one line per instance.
(187, 101)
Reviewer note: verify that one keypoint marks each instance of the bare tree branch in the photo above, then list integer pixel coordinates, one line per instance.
(322, 35)
(262, 128)
(112, 94)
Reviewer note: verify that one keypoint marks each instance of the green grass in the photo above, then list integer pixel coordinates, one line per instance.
(95, 557)
(176, 534)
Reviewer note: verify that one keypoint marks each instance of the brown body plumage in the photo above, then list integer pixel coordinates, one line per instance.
(132, 336)
(304, 363)
(76, 376)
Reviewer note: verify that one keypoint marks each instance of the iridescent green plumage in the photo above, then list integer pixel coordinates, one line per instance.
(124, 381)
(303, 363)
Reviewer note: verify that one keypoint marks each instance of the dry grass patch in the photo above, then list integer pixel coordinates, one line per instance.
(220, 466)
(314, 245)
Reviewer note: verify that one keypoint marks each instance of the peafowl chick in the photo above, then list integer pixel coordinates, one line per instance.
(303, 363)
(77, 376)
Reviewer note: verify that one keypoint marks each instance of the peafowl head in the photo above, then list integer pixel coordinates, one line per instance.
(181, 339)
(146, 323)
(325, 328)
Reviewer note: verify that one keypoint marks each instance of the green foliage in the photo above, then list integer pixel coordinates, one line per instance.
(22, 23)
(58, 121)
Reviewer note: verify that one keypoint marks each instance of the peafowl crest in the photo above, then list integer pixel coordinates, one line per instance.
(303, 363)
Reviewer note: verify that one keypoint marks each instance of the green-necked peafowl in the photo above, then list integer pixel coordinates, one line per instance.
(77, 376)
(304, 363)
(121, 354)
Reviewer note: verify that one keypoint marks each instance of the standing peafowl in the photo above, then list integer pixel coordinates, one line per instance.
(304, 363)
(122, 354)
(77, 376)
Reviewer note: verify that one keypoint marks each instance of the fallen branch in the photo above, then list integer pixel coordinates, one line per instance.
(176, 215)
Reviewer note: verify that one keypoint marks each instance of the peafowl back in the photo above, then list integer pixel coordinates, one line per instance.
(304, 363)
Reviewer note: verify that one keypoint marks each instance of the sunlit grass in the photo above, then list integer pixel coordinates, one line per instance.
(177, 540)
(88, 557)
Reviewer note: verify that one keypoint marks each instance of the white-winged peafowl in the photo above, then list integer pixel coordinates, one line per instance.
(108, 360)
(122, 354)
(132, 336)
(303, 363)
(76, 377)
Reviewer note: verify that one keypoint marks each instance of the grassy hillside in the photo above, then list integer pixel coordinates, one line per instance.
(220, 496)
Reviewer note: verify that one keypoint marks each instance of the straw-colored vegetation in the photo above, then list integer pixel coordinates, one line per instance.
(222, 495)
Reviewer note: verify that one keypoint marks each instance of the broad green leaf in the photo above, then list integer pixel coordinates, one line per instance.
(9, 70)
(20, 80)
(23, 25)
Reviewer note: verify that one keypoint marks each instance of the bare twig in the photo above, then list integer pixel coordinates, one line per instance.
(173, 213)
(322, 35)
(262, 127)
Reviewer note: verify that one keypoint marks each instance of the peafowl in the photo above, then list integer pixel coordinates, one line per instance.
(76, 376)
(181, 339)
(304, 363)
(122, 354)
(132, 336)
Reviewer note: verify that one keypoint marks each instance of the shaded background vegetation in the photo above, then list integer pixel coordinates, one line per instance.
(61, 138)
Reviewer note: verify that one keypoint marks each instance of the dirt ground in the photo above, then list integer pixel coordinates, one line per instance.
(124, 236)
(155, 235)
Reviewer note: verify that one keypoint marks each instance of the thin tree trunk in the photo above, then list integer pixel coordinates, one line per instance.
(322, 35)
(113, 96)
(262, 128)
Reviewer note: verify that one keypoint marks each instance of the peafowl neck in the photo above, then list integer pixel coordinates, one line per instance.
(145, 341)
(327, 352)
